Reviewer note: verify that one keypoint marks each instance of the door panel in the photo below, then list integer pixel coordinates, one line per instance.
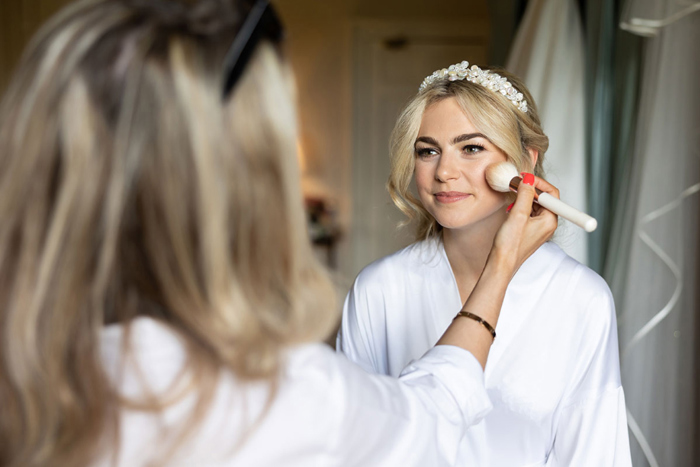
(389, 65)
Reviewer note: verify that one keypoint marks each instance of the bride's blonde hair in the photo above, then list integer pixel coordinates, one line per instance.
(130, 188)
(510, 129)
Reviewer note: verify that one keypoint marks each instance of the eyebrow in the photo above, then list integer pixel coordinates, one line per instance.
(455, 140)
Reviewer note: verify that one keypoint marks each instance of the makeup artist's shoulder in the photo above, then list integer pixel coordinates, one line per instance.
(415, 259)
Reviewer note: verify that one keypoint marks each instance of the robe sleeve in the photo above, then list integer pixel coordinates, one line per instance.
(418, 419)
(592, 423)
(362, 335)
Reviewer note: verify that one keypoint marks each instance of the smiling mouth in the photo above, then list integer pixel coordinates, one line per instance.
(450, 196)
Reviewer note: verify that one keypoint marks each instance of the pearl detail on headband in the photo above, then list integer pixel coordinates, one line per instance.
(486, 78)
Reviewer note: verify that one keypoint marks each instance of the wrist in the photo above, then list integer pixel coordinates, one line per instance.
(478, 319)
(500, 264)
(489, 292)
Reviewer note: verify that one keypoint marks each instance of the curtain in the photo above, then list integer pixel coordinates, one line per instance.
(648, 17)
(548, 54)
(613, 60)
(600, 85)
(655, 276)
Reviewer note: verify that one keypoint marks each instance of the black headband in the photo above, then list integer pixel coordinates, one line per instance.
(261, 23)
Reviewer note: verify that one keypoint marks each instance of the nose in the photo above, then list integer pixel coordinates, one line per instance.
(447, 168)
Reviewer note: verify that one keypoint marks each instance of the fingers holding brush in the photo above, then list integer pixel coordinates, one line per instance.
(526, 229)
(503, 176)
(549, 199)
(543, 186)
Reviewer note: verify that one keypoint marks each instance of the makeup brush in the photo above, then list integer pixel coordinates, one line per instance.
(504, 177)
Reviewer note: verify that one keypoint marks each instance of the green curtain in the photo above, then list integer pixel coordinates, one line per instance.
(600, 46)
(613, 59)
(620, 223)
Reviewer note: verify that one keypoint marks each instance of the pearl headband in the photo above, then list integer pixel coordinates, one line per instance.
(486, 78)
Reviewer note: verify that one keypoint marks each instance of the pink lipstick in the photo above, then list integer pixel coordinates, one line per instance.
(450, 196)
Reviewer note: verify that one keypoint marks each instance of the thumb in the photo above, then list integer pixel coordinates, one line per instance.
(525, 197)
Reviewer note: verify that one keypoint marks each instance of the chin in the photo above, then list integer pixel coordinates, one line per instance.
(457, 222)
(454, 224)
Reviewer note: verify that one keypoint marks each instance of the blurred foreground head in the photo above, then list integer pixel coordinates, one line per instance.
(135, 183)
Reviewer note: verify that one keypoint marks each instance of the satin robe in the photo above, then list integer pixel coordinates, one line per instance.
(326, 411)
(552, 374)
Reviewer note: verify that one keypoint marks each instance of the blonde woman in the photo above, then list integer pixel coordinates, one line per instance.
(553, 372)
(159, 304)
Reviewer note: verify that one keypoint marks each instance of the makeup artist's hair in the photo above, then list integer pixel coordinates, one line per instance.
(511, 130)
(130, 188)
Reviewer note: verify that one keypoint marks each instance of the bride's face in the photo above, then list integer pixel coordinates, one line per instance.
(451, 157)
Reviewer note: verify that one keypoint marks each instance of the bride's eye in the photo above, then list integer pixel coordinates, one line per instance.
(473, 148)
(425, 153)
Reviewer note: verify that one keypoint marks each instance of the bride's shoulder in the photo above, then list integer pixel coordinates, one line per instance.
(576, 280)
(416, 258)
(561, 274)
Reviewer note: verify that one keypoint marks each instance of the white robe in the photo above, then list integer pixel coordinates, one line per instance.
(552, 374)
(326, 412)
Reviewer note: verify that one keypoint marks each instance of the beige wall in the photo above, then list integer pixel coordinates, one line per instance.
(19, 19)
(320, 44)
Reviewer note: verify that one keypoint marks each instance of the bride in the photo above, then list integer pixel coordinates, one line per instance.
(553, 372)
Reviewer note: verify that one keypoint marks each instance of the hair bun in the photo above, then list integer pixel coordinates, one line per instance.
(200, 17)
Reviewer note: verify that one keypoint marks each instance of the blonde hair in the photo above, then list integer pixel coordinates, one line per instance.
(130, 189)
(511, 130)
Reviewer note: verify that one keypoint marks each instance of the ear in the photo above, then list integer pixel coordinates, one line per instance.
(534, 154)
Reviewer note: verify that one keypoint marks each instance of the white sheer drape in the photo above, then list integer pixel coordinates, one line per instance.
(548, 54)
(648, 17)
(658, 301)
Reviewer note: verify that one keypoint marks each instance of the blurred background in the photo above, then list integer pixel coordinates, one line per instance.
(616, 84)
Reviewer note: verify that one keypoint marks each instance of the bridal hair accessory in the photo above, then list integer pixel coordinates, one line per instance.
(486, 78)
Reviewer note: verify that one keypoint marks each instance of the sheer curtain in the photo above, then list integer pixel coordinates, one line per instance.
(649, 17)
(655, 285)
(548, 54)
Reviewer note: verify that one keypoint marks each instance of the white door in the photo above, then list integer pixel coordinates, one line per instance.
(390, 62)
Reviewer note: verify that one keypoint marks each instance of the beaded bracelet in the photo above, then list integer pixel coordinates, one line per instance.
(478, 319)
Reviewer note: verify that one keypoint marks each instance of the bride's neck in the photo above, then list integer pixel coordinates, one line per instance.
(468, 248)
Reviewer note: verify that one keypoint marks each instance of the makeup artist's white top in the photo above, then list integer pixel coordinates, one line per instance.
(327, 411)
(553, 371)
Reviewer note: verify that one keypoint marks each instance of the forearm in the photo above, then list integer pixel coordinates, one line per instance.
(519, 236)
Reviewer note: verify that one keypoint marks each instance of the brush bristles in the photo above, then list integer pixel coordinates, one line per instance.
(499, 175)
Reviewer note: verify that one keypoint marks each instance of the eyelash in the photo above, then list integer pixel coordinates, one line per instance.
(426, 152)
(481, 148)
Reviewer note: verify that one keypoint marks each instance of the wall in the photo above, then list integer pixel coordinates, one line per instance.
(19, 19)
(320, 45)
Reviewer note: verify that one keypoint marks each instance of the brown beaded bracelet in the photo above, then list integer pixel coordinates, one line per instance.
(478, 319)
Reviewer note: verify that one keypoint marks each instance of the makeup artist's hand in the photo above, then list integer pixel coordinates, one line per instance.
(528, 225)
(525, 230)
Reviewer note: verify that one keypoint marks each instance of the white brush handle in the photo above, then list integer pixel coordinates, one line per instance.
(559, 207)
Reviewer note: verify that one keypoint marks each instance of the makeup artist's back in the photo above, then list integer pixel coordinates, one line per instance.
(160, 303)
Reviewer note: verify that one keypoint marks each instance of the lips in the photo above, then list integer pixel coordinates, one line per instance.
(450, 196)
